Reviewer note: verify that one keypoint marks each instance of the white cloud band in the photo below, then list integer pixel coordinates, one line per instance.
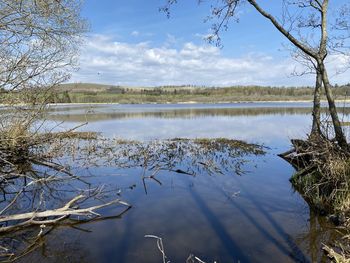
(119, 63)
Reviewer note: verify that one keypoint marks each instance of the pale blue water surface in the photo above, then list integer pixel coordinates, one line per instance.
(254, 217)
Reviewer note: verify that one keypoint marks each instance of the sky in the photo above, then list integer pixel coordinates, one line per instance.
(132, 43)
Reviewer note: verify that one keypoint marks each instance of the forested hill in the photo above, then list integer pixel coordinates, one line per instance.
(98, 93)
(85, 93)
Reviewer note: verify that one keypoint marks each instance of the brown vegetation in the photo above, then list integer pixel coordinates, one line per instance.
(322, 175)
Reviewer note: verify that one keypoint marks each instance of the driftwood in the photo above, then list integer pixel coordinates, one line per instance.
(300, 155)
(56, 215)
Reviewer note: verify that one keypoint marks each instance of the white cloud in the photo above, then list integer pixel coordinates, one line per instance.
(339, 63)
(106, 61)
(135, 33)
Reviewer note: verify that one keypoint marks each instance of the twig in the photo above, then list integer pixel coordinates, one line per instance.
(160, 246)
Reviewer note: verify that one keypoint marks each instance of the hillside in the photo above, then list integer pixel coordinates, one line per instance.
(98, 93)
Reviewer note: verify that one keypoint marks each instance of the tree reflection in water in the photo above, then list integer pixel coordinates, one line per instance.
(42, 183)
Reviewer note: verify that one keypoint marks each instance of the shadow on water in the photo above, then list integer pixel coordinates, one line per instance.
(231, 246)
(283, 241)
(125, 245)
(305, 248)
(293, 251)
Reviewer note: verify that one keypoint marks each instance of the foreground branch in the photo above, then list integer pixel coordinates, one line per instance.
(33, 218)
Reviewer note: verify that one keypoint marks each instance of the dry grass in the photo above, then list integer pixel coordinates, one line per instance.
(323, 175)
(14, 136)
(219, 144)
(337, 257)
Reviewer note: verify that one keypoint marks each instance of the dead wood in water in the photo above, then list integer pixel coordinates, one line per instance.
(31, 182)
(56, 215)
(302, 153)
(36, 176)
(322, 176)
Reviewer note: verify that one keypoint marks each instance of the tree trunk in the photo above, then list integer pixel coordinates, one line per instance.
(339, 134)
(316, 112)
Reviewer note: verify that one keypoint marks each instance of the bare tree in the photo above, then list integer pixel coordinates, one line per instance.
(311, 14)
(39, 41)
(304, 23)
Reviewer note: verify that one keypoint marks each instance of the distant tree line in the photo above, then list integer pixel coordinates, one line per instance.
(176, 94)
(343, 90)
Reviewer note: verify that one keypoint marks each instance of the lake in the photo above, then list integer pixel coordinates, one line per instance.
(255, 216)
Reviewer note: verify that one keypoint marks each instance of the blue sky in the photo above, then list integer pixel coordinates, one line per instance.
(132, 43)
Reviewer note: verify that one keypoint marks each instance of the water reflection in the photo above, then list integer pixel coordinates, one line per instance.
(200, 216)
(268, 123)
(47, 186)
(255, 217)
(104, 113)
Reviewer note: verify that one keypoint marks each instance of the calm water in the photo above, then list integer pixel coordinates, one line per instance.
(255, 217)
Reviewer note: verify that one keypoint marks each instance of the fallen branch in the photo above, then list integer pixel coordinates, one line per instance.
(33, 218)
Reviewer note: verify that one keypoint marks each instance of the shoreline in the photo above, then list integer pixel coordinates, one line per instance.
(182, 102)
(194, 102)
